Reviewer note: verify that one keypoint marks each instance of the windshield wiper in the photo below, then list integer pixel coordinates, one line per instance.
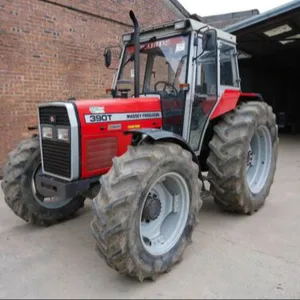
(131, 58)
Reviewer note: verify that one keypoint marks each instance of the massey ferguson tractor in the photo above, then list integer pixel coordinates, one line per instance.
(176, 117)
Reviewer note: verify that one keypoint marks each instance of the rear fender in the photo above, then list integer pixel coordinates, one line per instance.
(154, 135)
(244, 97)
(230, 100)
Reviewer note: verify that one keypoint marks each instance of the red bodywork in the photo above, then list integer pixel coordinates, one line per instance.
(229, 101)
(102, 141)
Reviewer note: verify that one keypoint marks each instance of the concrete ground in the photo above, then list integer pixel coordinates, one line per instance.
(231, 256)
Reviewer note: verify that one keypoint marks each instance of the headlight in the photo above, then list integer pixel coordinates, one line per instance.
(47, 132)
(63, 134)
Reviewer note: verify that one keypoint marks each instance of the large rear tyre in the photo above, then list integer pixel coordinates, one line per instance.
(146, 211)
(21, 194)
(243, 157)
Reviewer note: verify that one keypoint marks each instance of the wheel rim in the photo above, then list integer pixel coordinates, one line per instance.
(47, 202)
(164, 214)
(259, 159)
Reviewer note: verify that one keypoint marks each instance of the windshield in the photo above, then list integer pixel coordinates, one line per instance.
(163, 65)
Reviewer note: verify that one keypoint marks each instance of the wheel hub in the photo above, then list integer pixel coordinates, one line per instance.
(165, 213)
(152, 208)
(249, 158)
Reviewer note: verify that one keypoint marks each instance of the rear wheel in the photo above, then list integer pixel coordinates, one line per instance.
(21, 193)
(243, 157)
(147, 209)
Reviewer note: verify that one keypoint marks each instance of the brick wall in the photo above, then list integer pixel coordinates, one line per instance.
(49, 51)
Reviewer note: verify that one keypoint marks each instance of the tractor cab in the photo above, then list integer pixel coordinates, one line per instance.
(187, 64)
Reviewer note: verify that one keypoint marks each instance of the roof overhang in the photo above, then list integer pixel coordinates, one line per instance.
(277, 30)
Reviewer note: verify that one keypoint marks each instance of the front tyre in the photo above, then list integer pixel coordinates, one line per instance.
(21, 194)
(147, 209)
(243, 157)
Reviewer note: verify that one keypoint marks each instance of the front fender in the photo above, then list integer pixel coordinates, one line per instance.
(167, 136)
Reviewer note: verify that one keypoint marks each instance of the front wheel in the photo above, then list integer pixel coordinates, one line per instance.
(21, 193)
(147, 209)
(243, 157)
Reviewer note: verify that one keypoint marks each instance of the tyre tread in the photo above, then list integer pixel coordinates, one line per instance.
(11, 185)
(117, 207)
(227, 154)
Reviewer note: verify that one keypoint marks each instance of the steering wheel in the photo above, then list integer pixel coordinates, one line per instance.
(165, 85)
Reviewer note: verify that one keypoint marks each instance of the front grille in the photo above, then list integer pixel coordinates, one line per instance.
(57, 157)
(56, 153)
(59, 112)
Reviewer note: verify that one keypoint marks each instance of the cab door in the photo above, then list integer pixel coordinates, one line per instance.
(205, 94)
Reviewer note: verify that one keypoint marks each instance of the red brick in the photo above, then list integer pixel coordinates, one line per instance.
(48, 52)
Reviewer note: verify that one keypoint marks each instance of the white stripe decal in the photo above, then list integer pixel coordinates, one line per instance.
(100, 118)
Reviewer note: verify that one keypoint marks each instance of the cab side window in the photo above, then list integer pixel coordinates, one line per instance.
(228, 75)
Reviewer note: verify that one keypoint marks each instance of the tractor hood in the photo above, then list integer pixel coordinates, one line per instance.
(102, 126)
(119, 114)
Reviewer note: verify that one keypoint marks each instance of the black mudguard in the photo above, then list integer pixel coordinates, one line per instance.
(167, 136)
(251, 97)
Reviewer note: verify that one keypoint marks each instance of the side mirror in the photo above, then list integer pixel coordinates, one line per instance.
(107, 57)
(209, 40)
(110, 53)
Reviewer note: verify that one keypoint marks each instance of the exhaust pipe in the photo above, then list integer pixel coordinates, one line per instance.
(136, 39)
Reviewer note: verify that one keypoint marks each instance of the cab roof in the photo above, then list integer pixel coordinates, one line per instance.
(168, 29)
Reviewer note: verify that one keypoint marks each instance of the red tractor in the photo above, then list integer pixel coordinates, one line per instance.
(176, 111)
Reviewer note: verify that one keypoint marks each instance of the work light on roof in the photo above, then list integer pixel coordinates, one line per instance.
(127, 37)
(180, 24)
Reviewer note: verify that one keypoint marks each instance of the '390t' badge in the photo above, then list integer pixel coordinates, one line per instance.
(97, 110)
